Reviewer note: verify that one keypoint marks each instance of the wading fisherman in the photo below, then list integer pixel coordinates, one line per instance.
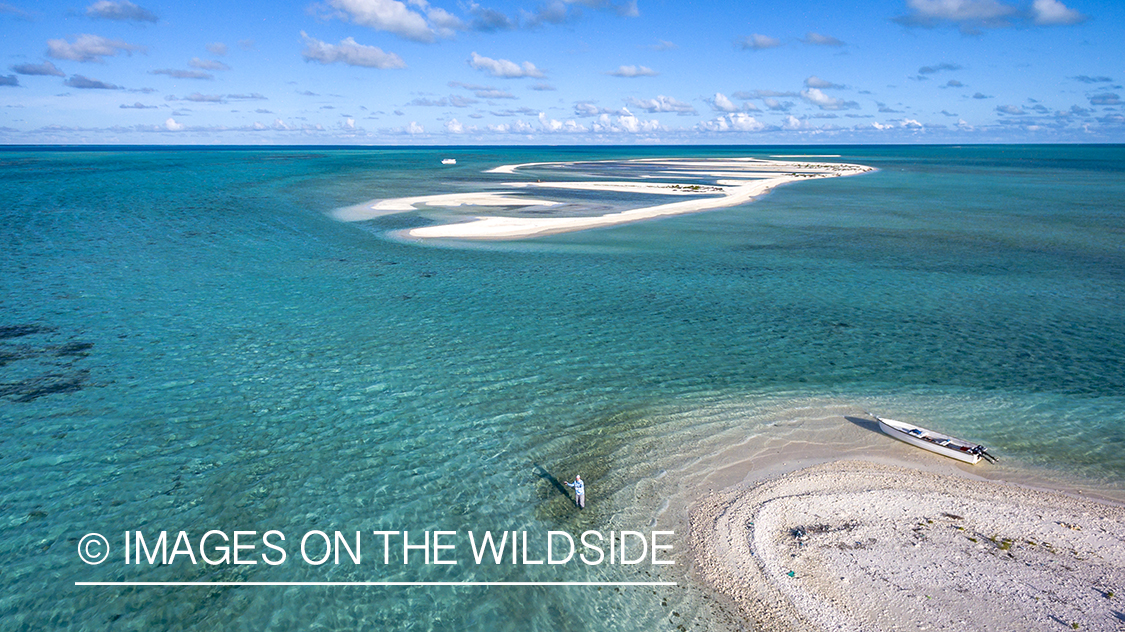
(579, 491)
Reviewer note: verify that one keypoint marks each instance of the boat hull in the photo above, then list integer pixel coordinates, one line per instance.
(952, 447)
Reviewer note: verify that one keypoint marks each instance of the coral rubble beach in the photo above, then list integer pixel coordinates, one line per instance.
(732, 181)
(854, 545)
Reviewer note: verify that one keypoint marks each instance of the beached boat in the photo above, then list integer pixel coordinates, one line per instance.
(448, 161)
(937, 442)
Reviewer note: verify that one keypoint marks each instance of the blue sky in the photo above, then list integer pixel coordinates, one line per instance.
(561, 72)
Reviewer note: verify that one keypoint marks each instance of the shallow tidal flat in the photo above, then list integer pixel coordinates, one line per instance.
(853, 545)
(708, 183)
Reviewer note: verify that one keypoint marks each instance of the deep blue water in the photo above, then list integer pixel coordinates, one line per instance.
(189, 340)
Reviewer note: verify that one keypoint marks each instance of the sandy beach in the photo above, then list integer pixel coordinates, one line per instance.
(735, 181)
(856, 545)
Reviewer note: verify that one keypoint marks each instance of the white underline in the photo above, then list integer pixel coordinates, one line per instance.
(375, 584)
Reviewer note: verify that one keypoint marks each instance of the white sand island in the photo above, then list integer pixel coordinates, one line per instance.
(854, 545)
(709, 183)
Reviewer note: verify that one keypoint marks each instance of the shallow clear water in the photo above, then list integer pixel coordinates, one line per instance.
(190, 341)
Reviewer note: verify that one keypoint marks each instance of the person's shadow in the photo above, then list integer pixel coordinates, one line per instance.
(545, 475)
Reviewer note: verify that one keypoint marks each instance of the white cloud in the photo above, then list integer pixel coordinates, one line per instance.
(930, 12)
(911, 124)
(453, 126)
(504, 68)
(565, 127)
(86, 83)
(634, 71)
(217, 48)
(1053, 12)
(387, 15)
(207, 64)
(817, 82)
(624, 123)
(45, 68)
(349, 52)
(172, 126)
(661, 104)
(88, 47)
(414, 128)
(120, 10)
(182, 74)
(821, 40)
(759, 42)
(825, 102)
(736, 122)
(722, 104)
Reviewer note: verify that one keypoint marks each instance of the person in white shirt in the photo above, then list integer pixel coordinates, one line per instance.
(579, 491)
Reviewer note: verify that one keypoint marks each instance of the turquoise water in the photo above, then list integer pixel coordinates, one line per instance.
(189, 341)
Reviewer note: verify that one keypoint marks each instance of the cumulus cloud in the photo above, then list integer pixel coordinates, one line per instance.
(1014, 110)
(1106, 98)
(817, 82)
(120, 10)
(217, 48)
(453, 126)
(1053, 13)
(349, 52)
(172, 126)
(981, 96)
(45, 68)
(734, 122)
(394, 17)
(9, 80)
(953, 83)
(972, 15)
(88, 47)
(721, 103)
(137, 106)
(634, 71)
(207, 64)
(911, 124)
(662, 104)
(563, 127)
(414, 128)
(182, 74)
(817, 39)
(758, 42)
(86, 83)
(776, 105)
(930, 70)
(543, 87)
(624, 123)
(661, 45)
(504, 68)
(815, 97)
(968, 15)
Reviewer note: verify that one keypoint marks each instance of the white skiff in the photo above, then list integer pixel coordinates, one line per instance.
(937, 442)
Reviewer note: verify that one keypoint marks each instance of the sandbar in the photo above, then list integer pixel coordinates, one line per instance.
(856, 545)
(711, 183)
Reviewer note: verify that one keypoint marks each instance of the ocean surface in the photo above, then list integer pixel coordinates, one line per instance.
(189, 341)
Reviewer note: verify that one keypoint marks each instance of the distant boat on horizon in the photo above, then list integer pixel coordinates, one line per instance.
(448, 161)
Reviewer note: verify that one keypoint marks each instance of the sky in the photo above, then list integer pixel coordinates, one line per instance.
(556, 72)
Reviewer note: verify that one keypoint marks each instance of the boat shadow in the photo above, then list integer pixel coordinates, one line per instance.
(866, 424)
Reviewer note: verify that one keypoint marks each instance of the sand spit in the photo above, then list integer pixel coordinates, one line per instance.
(853, 545)
(742, 180)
